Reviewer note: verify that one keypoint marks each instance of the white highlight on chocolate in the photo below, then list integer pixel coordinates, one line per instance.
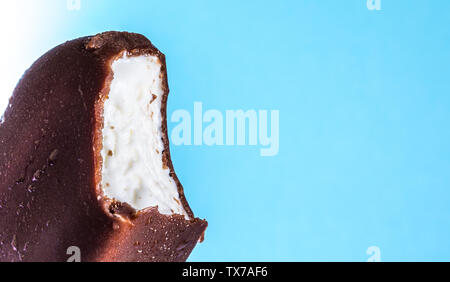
(133, 169)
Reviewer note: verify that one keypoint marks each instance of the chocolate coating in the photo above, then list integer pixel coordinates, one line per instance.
(50, 165)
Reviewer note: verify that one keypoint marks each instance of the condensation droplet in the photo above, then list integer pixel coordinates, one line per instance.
(36, 175)
(52, 157)
(14, 243)
(30, 188)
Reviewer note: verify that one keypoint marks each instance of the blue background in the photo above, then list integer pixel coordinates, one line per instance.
(364, 107)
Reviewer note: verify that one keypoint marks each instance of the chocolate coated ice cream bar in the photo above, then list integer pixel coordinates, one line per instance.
(85, 160)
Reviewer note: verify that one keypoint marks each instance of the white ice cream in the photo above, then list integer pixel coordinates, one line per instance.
(133, 170)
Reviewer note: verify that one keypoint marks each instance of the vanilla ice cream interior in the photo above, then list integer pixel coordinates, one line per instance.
(133, 170)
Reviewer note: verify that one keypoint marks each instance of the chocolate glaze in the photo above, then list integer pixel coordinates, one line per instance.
(50, 165)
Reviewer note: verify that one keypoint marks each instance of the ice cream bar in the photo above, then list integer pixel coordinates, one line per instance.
(85, 160)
